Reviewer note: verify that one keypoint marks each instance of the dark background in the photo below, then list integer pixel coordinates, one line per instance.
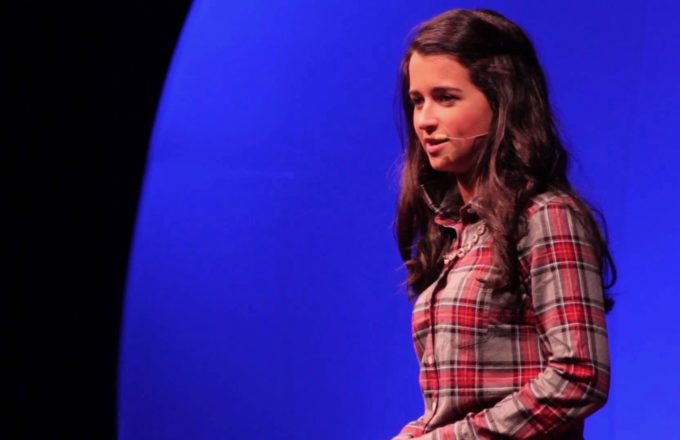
(84, 83)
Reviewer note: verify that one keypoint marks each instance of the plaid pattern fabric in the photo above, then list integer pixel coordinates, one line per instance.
(530, 372)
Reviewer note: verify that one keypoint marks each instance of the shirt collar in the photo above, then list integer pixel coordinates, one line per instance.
(466, 214)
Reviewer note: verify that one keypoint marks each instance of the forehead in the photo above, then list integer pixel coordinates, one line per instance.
(427, 71)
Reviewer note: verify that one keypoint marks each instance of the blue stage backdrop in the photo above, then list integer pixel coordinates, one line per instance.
(264, 295)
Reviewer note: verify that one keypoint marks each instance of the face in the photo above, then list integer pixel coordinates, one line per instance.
(446, 103)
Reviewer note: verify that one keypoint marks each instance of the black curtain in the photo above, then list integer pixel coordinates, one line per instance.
(84, 83)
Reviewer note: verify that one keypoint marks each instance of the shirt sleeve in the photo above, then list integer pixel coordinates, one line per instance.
(565, 284)
(411, 430)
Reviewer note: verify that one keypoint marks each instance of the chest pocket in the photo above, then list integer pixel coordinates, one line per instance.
(461, 309)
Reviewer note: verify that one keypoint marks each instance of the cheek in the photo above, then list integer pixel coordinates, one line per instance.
(486, 116)
(483, 113)
(459, 123)
(472, 118)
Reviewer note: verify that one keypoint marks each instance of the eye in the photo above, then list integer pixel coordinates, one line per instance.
(448, 98)
(416, 100)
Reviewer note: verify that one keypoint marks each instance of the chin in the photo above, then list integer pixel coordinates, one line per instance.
(443, 166)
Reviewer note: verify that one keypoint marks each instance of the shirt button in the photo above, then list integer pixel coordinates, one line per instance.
(430, 359)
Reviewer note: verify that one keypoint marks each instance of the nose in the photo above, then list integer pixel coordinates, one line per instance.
(425, 120)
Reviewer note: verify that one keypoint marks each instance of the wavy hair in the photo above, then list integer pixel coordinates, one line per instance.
(522, 155)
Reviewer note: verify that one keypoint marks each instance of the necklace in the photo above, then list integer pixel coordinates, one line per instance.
(464, 249)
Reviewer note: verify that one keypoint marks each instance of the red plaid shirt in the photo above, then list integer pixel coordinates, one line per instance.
(490, 372)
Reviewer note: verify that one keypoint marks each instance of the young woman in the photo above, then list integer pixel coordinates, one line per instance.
(507, 266)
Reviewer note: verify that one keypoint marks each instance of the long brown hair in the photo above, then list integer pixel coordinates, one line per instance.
(522, 155)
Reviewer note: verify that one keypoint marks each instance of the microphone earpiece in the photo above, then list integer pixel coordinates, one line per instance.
(444, 137)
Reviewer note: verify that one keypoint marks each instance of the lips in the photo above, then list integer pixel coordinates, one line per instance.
(434, 145)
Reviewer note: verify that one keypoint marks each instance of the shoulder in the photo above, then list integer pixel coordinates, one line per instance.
(556, 216)
(552, 200)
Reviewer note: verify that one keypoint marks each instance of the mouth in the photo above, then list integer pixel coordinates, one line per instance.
(434, 145)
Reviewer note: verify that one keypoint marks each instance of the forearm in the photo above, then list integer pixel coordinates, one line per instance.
(556, 401)
(411, 430)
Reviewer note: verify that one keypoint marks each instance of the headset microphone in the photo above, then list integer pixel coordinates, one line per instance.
(444, 137)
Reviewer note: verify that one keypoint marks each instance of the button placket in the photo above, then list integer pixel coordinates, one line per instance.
(465, 248)
(430, 359)
(449, 259)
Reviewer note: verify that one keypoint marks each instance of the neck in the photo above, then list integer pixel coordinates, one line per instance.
(467, 187)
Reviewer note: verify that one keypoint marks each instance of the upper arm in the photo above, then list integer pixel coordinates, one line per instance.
(565, 283)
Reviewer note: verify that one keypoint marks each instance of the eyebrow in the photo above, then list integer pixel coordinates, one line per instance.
(439, 89)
